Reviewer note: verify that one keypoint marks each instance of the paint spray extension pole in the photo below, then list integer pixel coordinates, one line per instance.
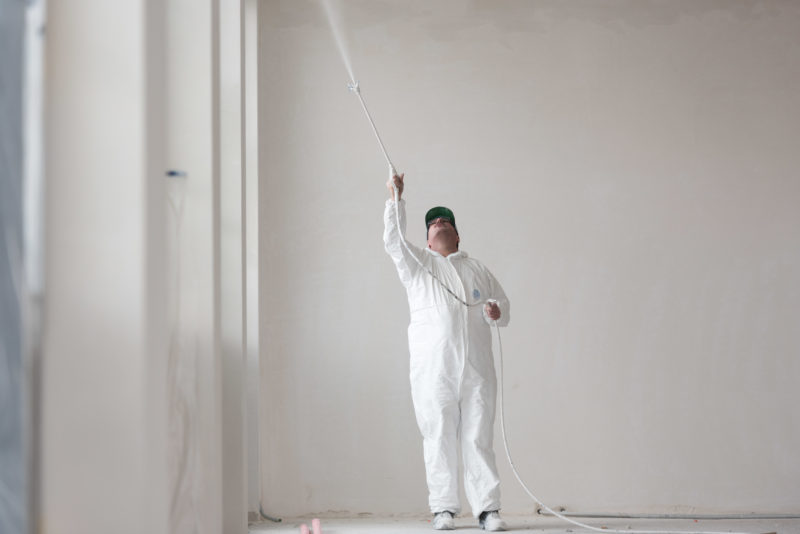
(357, 90)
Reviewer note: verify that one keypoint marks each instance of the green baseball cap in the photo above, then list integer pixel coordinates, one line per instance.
(440, 211)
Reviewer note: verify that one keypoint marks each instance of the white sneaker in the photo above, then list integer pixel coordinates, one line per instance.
(491, 521)
(443, 521)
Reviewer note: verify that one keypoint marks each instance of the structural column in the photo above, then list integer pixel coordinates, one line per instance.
(103, 358)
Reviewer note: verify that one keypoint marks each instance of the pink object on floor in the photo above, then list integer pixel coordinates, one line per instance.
(303, 529)
(316, 527)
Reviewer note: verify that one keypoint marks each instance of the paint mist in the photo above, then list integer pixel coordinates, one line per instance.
(335, 22)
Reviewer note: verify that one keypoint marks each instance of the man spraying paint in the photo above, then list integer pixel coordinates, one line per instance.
(453, 381)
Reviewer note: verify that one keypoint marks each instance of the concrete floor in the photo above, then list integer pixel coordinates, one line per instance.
(376, 525)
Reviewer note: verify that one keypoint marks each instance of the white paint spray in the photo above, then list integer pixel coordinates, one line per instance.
(336, 29)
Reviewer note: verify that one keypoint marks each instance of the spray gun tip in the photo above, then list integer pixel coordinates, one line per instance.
(353, 86)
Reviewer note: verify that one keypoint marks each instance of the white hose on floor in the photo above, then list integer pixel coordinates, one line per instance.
(536, 499)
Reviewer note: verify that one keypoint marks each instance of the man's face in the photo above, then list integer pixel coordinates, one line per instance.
(442, 230)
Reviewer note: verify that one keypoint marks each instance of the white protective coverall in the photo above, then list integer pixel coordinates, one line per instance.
(453, 381)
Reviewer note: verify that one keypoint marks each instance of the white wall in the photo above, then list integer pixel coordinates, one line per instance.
(251, 245)
(627, 170)
(194, 356)
(103, 409)
(232, 264)
(208, 478)
(207, 350)
(143, 353)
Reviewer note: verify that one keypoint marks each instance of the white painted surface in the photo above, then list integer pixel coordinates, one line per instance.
(626, 169)
(251, 247)
(195, 372)
(143, 403)
(232, 266)
(103, 355)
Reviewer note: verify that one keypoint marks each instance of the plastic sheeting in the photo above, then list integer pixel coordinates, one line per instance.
(13, 487)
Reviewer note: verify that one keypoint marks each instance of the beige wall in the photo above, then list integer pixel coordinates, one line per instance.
(627, 170)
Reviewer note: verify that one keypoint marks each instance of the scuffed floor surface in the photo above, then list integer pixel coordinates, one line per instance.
(530, 524)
